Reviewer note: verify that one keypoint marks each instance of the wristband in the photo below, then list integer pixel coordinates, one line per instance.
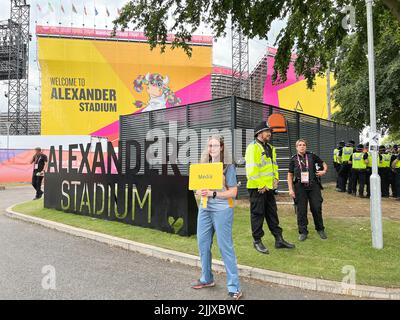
(214, 194)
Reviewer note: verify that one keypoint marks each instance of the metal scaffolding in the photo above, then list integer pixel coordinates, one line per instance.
(14, 64)
(257, 80)
(240, 63)
(221, 82)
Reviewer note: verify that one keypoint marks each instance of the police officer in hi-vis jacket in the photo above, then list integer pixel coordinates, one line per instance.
(262, 181)
(345, 169)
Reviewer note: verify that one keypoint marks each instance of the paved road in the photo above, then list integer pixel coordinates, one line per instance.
(85, 269)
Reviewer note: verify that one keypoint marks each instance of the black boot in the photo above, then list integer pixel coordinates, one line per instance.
(280, 243)
(259, 246)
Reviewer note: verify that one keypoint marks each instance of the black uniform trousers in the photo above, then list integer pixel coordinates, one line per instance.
(358, 177)
(397, 178)
(263, 206)
(392, 183)
(37, 183)
(367, 182)
(337, 169)
(344, 175)
(384, 174)
(304, 196)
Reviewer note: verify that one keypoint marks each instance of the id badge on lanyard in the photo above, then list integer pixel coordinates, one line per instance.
(304, 176)
(37, 163)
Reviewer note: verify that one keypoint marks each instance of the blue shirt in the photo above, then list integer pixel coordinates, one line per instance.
(230, 181)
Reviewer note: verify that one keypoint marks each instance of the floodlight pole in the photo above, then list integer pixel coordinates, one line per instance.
(375, 181)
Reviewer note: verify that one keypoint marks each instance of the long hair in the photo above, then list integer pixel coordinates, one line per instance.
(225, 156)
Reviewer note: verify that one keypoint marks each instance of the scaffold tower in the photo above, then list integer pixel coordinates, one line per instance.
(14, 64)
(240, 63)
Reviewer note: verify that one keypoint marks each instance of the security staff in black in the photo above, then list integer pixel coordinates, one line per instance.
(305, 170)
(39, 161)
(262, 181)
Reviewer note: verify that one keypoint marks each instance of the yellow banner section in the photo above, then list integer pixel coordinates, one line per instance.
(88, 84)
(297, 97)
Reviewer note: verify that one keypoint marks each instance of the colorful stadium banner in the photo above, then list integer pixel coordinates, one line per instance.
(293, 94)
(88, 83)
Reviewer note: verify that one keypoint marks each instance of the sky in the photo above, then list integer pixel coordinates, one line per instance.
(43, 14)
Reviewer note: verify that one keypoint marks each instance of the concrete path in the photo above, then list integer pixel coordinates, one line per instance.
(86, 269)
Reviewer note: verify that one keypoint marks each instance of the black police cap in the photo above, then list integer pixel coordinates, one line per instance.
(262, 126)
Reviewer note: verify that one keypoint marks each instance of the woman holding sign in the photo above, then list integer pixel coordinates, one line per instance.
(217, 218)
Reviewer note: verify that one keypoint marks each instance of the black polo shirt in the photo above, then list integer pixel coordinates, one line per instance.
(294, 166)
(39, 160)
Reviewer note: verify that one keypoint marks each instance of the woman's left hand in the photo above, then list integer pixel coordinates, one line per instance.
(206, 193)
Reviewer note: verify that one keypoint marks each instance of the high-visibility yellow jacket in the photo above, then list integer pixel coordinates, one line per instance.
(358, 161)
(397, 166)
(346, 154)
(385, 162)
(260, 169)
(335, 156)
(369, 165)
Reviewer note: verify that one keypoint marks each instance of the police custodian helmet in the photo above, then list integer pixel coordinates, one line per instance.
(262, 126)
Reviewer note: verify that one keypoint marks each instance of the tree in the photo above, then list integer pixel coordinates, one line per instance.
(314, 28)
(351, 92)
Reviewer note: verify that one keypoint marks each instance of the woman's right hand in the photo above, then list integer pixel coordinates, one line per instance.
(292, 194)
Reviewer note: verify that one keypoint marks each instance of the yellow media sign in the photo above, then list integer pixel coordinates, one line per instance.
(206, 176)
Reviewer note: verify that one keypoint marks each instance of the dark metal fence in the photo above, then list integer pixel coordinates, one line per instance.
(235, 118)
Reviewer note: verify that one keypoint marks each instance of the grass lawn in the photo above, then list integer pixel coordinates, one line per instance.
(349, 243)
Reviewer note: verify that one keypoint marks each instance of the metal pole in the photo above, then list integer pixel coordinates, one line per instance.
(8, 125)
(328, 91)
(375, 181)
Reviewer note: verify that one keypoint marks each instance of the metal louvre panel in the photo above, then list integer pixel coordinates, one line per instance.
(133, 127)
(327, 145)
(214, 117)
(225, 114)
(341, 133)
(249, 113)
(309, 131)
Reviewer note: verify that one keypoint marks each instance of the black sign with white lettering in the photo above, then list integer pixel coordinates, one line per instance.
(160, 202)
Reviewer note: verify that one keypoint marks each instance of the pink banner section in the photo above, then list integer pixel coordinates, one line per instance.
(195, 92)
(104, 33)
(15, 165)
(271, 90)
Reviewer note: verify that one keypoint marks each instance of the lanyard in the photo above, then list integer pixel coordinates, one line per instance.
(301, 167)
(38, 159)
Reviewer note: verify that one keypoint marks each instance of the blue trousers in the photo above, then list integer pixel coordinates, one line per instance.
(219, 222)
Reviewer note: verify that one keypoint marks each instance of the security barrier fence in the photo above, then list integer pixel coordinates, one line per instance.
(188, 128)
